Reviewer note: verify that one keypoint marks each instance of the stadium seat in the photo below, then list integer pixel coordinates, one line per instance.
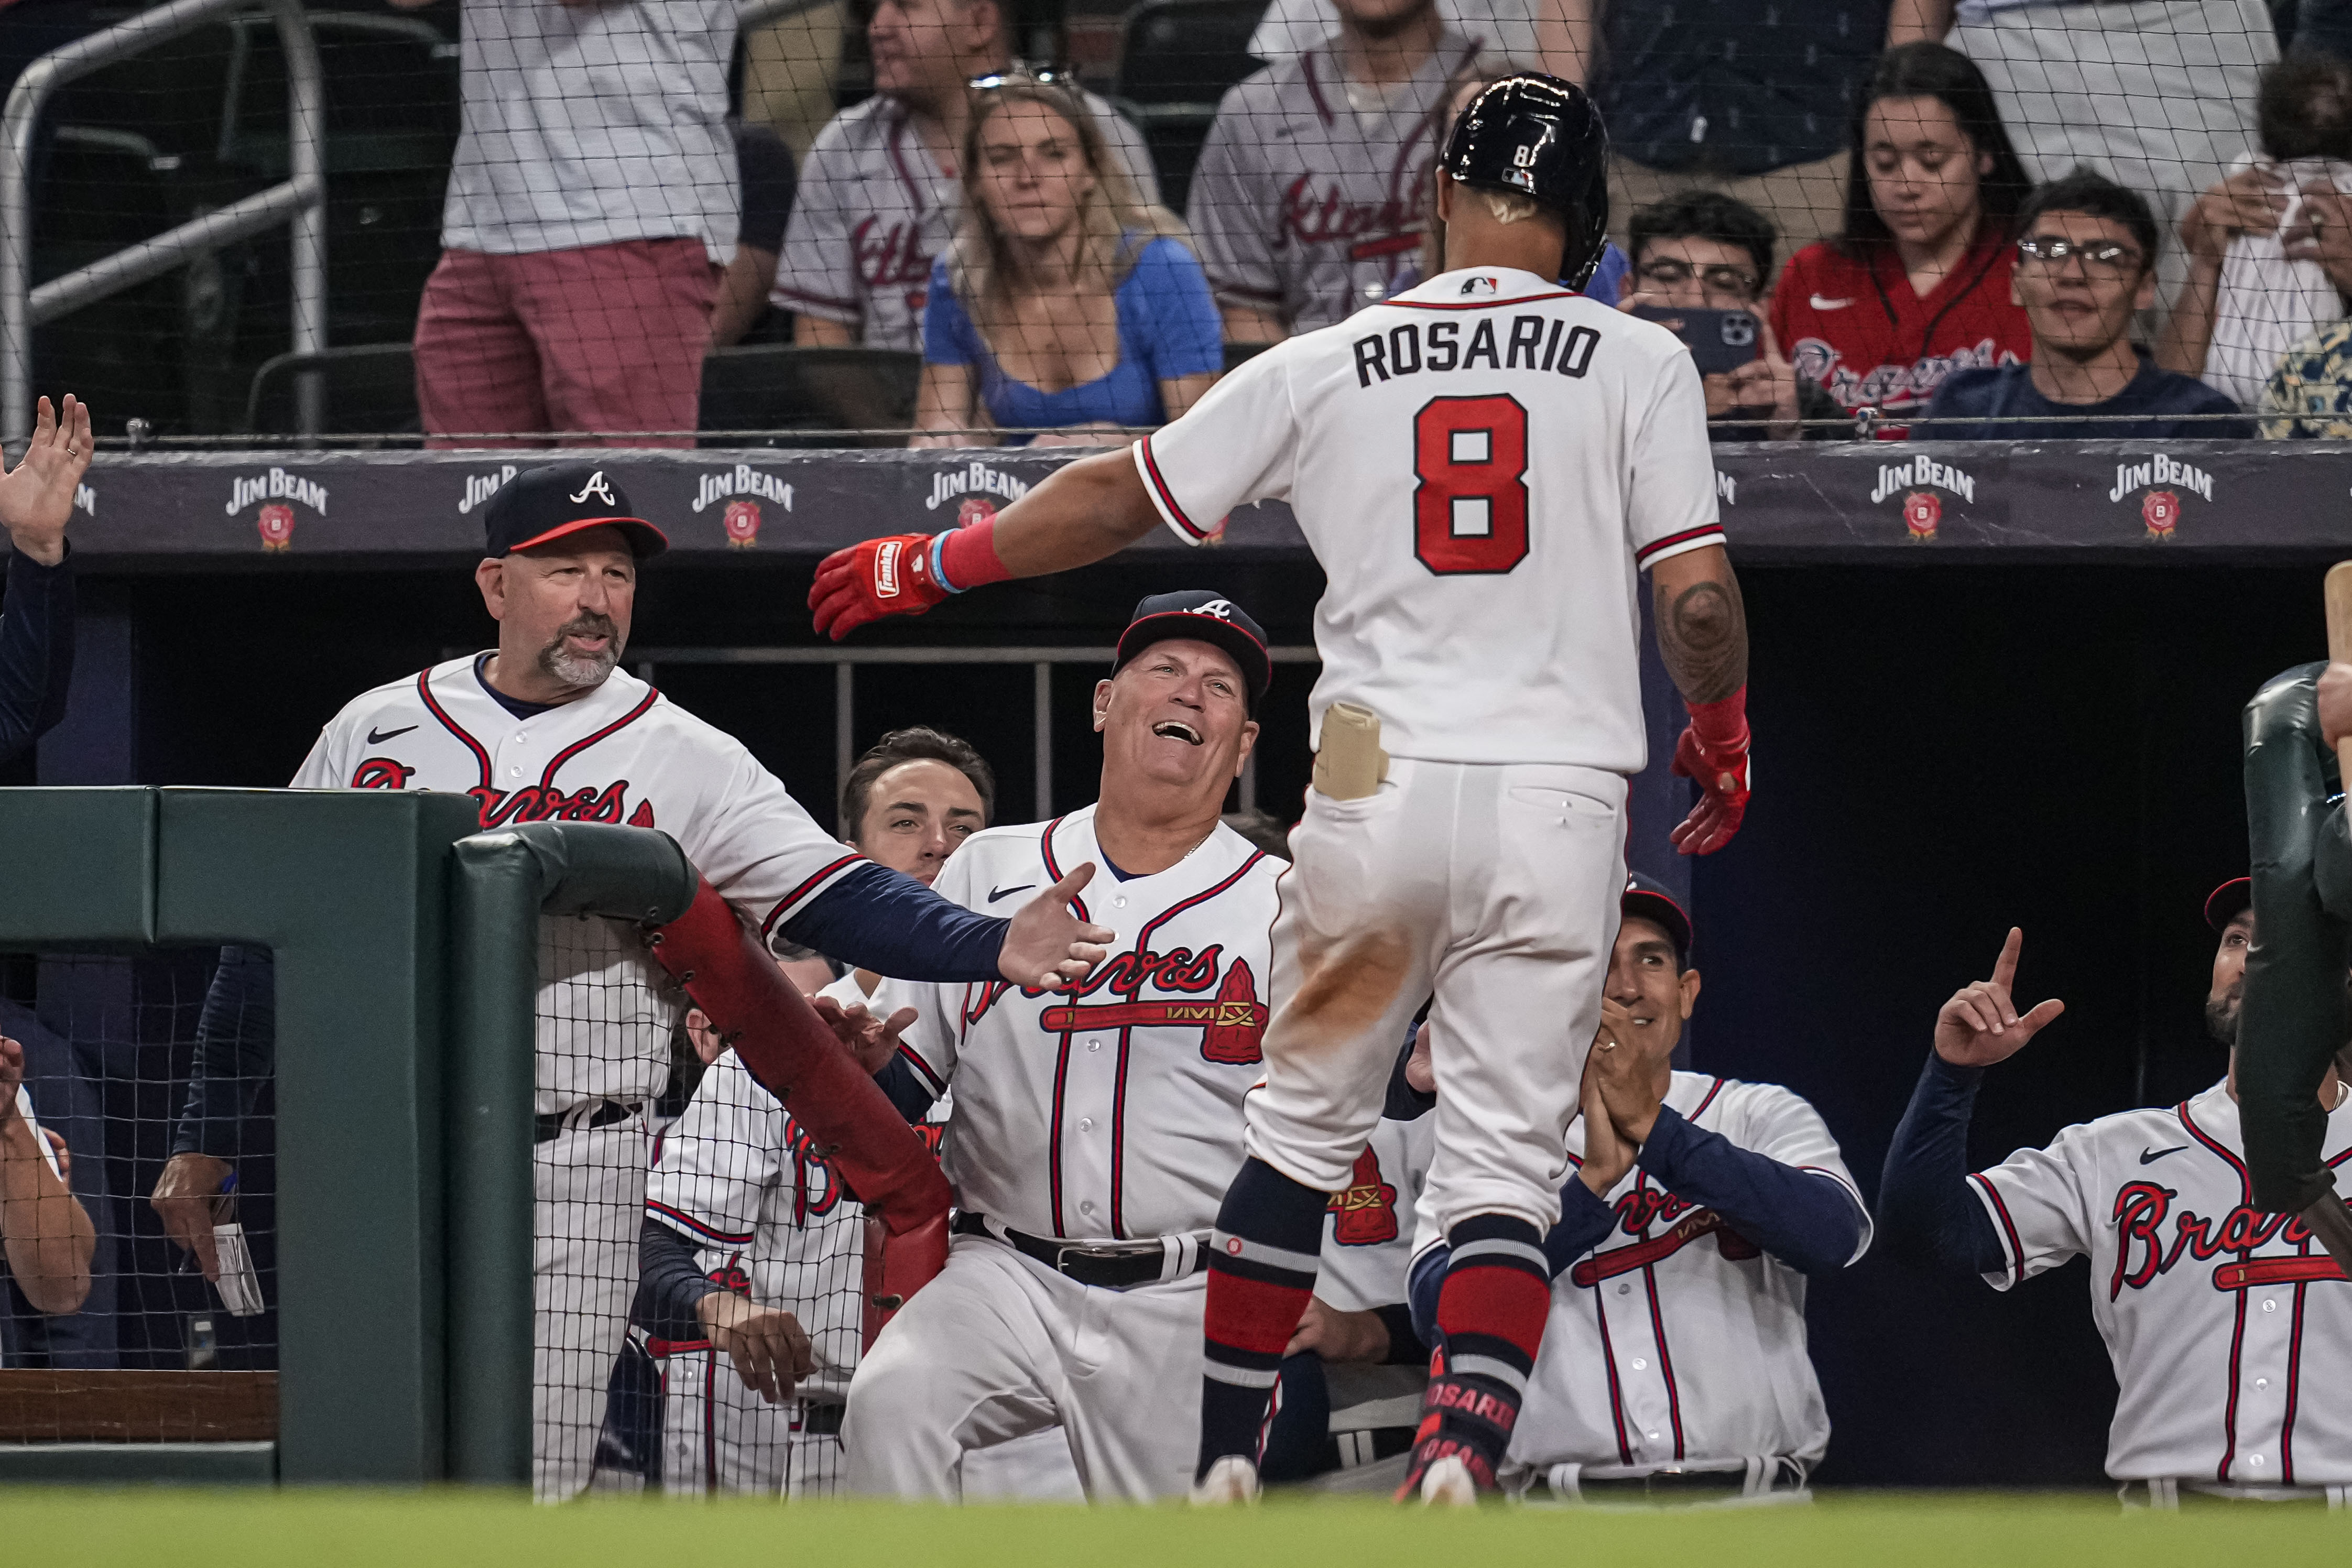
(371, 389)
(783, 387)
(1176, 58)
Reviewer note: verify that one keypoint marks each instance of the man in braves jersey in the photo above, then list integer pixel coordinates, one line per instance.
(878, 196)
(1091, 1132)
(1312, 189)
(2228, 1327)
(1673, 1367)
(1483, 466)
(546, 725)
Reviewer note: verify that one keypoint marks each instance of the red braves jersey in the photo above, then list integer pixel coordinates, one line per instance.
(1855, 326)
(1114, 1112)
(2227, 1326)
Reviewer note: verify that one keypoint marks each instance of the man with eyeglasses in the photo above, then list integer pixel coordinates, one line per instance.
(2085, 264)
(879, 193)
(1703, 250)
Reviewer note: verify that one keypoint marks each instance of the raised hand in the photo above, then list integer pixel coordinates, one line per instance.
(1626, 1076)
(1048, 948)
(873, 1041)
(1980, 1024)
(36, 496)
(1606, 1155)
(887, 576)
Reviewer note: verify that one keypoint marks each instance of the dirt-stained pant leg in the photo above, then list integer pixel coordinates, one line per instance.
(590, 1186)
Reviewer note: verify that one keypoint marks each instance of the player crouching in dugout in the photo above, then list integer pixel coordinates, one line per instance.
(1092, 1129)
(1673, 1367)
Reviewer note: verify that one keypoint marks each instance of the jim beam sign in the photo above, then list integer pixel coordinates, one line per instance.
(742, 488)
(1919, 479)
(280, 493)
(2159, 508)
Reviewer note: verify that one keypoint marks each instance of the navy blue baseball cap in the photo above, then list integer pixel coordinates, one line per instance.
(1647, 898)
(1209, 617)
(2226, 902)
(543, 504)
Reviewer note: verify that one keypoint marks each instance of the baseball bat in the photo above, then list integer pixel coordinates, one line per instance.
(2337, 590)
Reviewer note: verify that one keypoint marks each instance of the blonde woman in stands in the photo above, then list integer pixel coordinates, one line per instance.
(1066, 304)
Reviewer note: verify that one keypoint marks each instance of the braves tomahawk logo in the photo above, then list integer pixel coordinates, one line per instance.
(1637, 1211)
(2151, 1237)
(1364, 1212)
(1232, 1022)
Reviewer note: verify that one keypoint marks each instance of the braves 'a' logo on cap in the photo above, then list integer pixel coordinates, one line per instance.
(1222, 609)
(596, 487)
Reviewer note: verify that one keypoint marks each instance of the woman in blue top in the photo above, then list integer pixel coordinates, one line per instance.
(1066, 304)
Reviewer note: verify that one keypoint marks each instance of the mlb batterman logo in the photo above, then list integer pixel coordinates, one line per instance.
(741, 519)
(1922, 511)
(2160, 509)
(276, 524)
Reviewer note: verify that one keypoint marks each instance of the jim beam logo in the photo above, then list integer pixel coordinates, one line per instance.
(978, 479)
(85, 501)
(737, 487)
(2159, 509)
(480, 487)
(1726, 488)
(279, 492)
(1919, 479)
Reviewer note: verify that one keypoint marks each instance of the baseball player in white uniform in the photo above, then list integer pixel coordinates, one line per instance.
(2227, 1326)
(546, 726)
(1482, 465)
(1673, 1365)
(1091, 1132)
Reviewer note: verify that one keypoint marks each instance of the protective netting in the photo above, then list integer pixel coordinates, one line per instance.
(789, 221)
(635, 1387)
(110, 1329)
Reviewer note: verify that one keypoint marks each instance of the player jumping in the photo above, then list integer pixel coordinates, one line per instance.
(1481, 465)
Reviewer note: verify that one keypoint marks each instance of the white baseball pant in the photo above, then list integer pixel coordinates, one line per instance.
(588, 1191)
(998, 1347)
(1496, 886)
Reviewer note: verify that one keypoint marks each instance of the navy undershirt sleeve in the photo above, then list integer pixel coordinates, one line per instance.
(670, 1282)
(36, 647)
(905, 1089)
(1809, 1221)
(1929, 1215)
(236, 1051)
(885, 921)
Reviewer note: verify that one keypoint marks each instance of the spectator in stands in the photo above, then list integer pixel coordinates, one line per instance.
(879, 194)
(36, 614)
(764, 167)
(1065, 303)
(1917, 286)
(592, 205)
(1702, 250)
(2158, 95)
(2247, 301)
(46, 1238)
(2085, 262)
(1310, 196)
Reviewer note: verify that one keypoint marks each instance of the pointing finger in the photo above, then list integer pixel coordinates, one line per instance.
(2005, 968)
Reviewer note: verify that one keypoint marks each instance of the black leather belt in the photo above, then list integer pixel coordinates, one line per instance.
(1108, 1266)
(546, 1129)
(1664, 1483)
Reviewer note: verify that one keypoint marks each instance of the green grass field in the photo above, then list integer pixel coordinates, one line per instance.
(229, 1529)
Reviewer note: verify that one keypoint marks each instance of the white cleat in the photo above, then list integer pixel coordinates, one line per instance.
(1231, 1480)
(1447, 1484)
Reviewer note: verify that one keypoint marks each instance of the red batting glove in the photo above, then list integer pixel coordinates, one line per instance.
(887, 577)
(1713, 751)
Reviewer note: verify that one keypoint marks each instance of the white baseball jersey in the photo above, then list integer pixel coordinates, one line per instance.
(2227, 1326)
(1304, 206)
(1367, 1240)
(623, 753)
(1113, 1113)
(1676, 1338)
(1508, 28)
(1481, 466)
(873, 208)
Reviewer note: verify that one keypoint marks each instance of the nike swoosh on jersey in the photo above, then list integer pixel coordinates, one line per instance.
(378, 736)
(996, 893)
(2150, 1156)
(1821, 304)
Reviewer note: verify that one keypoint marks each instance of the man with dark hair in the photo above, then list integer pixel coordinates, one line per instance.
(2085, 263)
(1703, 250)
(918, 744)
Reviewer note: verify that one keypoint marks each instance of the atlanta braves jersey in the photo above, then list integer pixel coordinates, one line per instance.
(622, 753)
(1304, 206)
(2226, 1325)
(1853, 324)
(1367, 1239)
(1113, 1112)
(874, 207)
(1481, 466)
(1676, 1338)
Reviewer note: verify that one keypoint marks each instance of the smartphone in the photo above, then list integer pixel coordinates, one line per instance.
(1719, 340)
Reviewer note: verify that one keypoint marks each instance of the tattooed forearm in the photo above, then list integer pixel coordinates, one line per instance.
(1702, 636)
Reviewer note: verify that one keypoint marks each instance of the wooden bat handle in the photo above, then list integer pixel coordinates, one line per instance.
(2338, 592)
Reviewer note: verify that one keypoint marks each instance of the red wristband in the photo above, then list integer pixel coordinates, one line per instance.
(1721, 726)
(968, 558)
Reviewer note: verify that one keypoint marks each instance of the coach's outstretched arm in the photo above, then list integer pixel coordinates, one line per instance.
(1092, 509)
(1702, 630)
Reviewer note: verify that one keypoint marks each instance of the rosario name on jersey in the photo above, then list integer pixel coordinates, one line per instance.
(769, 1218)
(1113, 1112)
(1482, 465)
(622, 753)
(2206, 1303)
(1677, 1338)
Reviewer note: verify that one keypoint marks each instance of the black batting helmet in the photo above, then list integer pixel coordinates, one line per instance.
(1539, 137)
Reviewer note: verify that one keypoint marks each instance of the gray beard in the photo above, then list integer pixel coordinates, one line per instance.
(578, 673)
